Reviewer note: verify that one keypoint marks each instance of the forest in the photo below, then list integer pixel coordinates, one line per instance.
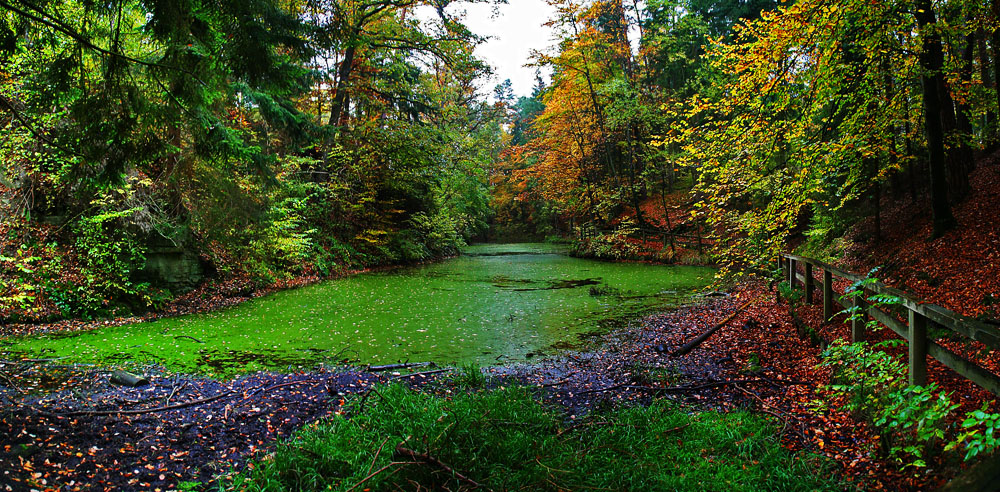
(175, 176)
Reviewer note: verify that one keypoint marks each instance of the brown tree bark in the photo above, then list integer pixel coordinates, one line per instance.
(340, 94)
(996, 52)
(984, 72)
(963, 112)
(932, 60)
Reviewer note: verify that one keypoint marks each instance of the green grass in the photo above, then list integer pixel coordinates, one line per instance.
(505, 440)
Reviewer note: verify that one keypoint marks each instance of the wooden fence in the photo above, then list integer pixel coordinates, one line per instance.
(918, 317)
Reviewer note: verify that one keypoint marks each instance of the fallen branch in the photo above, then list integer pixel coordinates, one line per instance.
(276, 386)
(779, 414)
(712, 384)
(380, 470)
(691, 387)
(687, 347)
(364, 398)
(389, 367)
(175, 406)
(422, 374)
(558, 383)
(600, 390)
(377, 453)
(124, 378)
(189, 337)
(675, 429)
(145, 410)
(426, 458)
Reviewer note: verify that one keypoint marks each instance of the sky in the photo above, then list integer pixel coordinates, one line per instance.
(514, 29)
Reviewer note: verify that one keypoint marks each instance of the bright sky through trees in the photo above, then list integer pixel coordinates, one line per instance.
(514, 30)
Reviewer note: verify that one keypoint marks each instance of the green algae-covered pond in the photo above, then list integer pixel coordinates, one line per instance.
(495, 303)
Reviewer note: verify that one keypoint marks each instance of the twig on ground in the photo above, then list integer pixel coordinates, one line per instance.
(582, 424)
(422, 374)
(142, 411)
(380, 470)
(599, 390)
(404, 365)
(426, 458)
(289, 383)
(174, 390)
(557, 383)
(377, 453)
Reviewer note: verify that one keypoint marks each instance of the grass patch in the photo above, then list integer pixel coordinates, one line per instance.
(505, 440)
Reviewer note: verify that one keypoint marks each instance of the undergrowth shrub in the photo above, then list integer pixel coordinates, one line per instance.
(911, 420)
(108, 253)
(787, 292)
(438, 231)
(282, 243)
(613, 245)
(17, 288)
(506, 440)
(979, 434)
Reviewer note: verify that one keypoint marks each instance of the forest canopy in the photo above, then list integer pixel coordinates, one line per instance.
(268, 140)
(264, 139)
(776, 118)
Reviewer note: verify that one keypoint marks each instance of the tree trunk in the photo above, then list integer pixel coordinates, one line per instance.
(996, 53)
(340, 94)
(963, 113)
(932, 60)
(666, 212)
(957, 156)
(984, 73)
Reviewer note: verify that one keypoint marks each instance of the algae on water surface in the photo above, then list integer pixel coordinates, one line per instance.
(495, 304)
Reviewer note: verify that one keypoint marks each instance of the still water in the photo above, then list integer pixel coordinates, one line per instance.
(493, 304)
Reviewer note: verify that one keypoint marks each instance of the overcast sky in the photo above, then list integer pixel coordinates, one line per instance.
(514, 30)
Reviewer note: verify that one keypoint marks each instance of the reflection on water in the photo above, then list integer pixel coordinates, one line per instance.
(488, 305)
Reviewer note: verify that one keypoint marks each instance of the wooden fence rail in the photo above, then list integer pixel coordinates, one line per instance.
(916, 318)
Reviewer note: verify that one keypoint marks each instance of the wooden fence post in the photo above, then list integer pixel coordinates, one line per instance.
(808, 284)
(827, 295)
(791, 274)
(918, 349)
(860, 318)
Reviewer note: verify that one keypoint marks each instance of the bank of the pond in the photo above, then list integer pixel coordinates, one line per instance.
(756, 363)
(212, 295)
(232, 290)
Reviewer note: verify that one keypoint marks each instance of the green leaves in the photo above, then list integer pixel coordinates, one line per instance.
(979, 433)
(911, 419)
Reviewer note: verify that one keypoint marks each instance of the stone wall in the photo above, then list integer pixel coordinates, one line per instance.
(177, 269)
